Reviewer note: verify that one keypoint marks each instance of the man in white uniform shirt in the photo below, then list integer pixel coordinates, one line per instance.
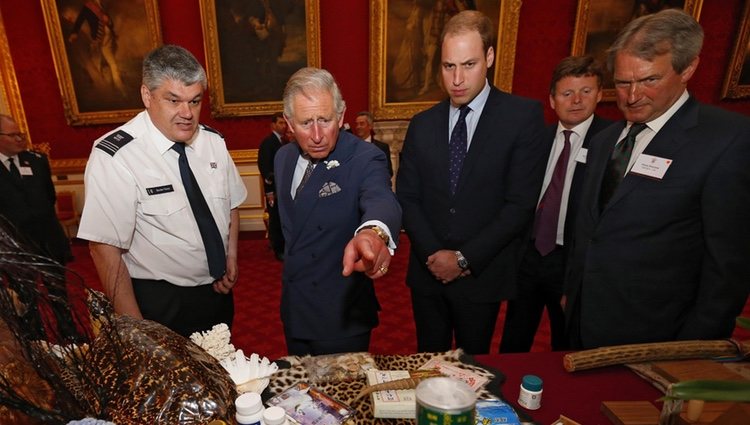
(165, 251)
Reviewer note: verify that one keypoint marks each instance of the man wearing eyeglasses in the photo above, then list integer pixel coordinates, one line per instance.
(28, 194)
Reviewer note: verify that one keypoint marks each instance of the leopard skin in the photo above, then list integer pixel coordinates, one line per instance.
(347, 390)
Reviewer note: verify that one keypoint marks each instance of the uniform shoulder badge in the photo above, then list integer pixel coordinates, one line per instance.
(112, 143)
(212, 130)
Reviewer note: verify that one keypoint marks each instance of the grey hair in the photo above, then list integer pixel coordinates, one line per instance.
(171, 62)
(312, 80)
(669, 31)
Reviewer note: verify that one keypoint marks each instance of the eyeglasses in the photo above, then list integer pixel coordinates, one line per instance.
(14, 135)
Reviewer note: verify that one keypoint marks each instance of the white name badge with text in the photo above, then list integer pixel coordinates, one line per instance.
(581, 157)
(25, 171)
(651, 166)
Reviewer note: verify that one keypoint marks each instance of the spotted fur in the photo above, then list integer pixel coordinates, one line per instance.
(346, 391)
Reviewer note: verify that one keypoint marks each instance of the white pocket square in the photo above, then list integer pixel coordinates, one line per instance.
(328, 189)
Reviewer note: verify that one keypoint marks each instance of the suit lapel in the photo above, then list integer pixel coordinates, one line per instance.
(440, 140)
(304, 205)
(597, 165)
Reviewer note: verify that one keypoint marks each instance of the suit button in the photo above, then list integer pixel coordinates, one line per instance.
(452, 210)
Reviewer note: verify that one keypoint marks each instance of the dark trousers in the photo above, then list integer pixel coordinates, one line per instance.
(183, 309)
(439, 317)
(275, 236)
(352, 344)
(540, 285)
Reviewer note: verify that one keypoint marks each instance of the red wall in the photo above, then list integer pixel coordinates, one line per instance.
(544, 37)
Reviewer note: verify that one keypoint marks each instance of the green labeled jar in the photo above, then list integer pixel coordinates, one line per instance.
(445, 401)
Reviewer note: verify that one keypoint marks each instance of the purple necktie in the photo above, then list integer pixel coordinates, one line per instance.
(548, 213)
(457, 147)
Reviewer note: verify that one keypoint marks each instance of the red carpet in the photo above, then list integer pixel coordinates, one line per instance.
(257, 327)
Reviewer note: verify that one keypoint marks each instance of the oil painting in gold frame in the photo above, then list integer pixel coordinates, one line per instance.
(98, 49)
(10, 95)
(403, 42)
(737, 81)
(599, 21)
(253, 47)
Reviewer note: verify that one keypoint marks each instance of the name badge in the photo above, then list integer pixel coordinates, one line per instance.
(581, 157)
(25, 171)
(651, 166)
(159, 189)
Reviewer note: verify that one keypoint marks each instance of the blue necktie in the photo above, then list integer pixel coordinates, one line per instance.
(212, 240)
(457, 148)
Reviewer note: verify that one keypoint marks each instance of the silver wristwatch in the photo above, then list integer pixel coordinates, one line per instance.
(463, 263)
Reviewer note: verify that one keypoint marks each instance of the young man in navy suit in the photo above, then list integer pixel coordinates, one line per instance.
(661, 248)
(335, 202)
(575, 91)
(468, 182)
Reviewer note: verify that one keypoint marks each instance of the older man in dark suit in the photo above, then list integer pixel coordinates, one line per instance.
(661, 249)
(575, 90)
(335, 201)
(28, 194)
(470, 173)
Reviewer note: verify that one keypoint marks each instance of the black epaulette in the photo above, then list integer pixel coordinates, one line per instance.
(112, 143)
(212, 130)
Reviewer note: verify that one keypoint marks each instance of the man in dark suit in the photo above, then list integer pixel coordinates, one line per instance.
(28, 194)
(268, 148)
(661, 248)
(335, 200)
(575, 91)
(363, 130)
(467, 198)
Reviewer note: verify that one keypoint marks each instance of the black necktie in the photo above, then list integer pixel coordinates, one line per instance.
(457, 147)
(548, 213)
(13, 169)
(618, 164)
(305, 177)
(212, 240)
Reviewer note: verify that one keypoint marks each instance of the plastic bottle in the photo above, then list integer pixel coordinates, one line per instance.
(275, 415)
(530, 395)
(249, 409)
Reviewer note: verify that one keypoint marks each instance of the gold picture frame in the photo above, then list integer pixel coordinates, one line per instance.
(99, 65)
(737, 80)
(10, 95)
(252, 48)
(394, 97)
(598, 22)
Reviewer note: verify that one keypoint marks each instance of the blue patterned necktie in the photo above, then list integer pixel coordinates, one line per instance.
(457, 147)
(212, 240)
(548, 213)
(618, 164)
(306, 176)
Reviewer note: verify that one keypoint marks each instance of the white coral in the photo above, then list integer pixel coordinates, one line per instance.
(215, 342)
(249, 374)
